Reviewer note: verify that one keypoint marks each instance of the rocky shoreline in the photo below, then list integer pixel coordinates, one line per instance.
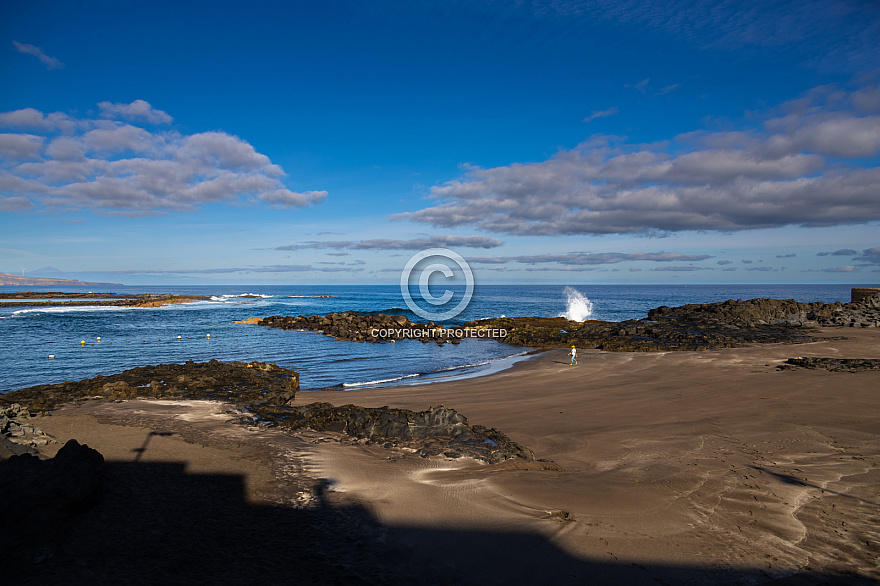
(438, 431)
(266, 392)
(18, 435)
(358, 327)
(100, 299)
(727, 324)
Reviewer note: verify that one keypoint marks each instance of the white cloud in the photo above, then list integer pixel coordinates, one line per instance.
(601, 114)
(31, 119)
(224, 150)
(14, 204)
(870, 255)
(284, 198)
(120, 167)
(556, 269)
(65, 148)
(109, 141)
(24, 118)
(49, 62)
(867, 100)
(20, 147)
(833, 135)
(642, 86)
(808, 163)
(138, 109)
(224, 270)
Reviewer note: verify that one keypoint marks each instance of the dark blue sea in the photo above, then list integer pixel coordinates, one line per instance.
(131, 337)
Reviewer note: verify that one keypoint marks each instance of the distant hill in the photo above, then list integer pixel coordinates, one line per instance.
(48, 272)
(22, 281)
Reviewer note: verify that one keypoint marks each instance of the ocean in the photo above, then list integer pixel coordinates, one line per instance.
(206, 330)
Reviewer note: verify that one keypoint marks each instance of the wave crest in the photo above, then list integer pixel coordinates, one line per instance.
(577, 306)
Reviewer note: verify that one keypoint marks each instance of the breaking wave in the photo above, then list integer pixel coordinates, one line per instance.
(577, 306)
(241, 296)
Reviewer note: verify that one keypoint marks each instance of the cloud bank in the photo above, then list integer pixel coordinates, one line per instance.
(227, 270)
(584, 258)
(439, 241)
(811, 162)
(57, 161)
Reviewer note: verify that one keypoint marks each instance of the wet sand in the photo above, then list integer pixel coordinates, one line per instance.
(679, 467)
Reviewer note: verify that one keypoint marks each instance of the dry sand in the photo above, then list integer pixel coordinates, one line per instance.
(709, 467)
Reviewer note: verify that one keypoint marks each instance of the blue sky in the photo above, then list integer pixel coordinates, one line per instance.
(608, 141)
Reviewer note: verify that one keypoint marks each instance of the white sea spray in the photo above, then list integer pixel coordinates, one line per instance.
(577, 306)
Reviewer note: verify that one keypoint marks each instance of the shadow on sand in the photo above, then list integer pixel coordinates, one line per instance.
(158, 524)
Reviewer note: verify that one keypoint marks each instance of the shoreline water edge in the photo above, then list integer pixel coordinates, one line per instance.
(87, 341)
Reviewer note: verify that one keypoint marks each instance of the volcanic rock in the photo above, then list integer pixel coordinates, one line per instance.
(267, 392)
(17, 434)
(832, 364)
(358, 327)
(252, 383)
(725, 324)
(438, 430)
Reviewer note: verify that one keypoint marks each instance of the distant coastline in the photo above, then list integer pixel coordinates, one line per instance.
(97, 299)
(7, 279)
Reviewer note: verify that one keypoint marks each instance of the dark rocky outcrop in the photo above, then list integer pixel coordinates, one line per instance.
(247, 383)
(267, 392)
(437, 431)
(860, 294)
(832, 364)
(774, 312)
(17, 434)
(39, 497)
(101, 299)
(725, 324)
(359, 327)
(645, 335)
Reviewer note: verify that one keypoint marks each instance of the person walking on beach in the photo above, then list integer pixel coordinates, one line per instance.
(574, 355)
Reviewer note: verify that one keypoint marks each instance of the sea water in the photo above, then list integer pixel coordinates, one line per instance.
(206, 330)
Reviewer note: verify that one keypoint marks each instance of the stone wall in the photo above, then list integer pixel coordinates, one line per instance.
(859, 294)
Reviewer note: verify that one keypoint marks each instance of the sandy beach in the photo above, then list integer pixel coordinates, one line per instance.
(677, 467)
